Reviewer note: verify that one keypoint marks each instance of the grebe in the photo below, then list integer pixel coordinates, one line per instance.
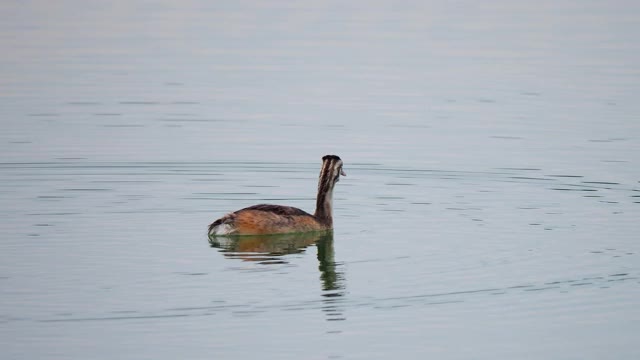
(265, 219)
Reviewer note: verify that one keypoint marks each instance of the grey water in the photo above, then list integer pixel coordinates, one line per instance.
(490, 210)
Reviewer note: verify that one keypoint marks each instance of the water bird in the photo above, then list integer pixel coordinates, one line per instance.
(267, 219)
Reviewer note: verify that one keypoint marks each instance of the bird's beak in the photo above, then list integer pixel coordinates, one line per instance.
(343, 173)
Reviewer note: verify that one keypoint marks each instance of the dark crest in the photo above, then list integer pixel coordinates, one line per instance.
(330, 157)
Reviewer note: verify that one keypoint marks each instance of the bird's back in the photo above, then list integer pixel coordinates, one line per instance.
(264, 219)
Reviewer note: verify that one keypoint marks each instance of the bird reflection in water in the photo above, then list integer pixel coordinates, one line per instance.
(333, 288)
(272, 249)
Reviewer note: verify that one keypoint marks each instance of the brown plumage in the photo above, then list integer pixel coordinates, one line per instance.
(266, 219)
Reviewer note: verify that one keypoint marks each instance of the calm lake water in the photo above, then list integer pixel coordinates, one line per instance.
(491, 207)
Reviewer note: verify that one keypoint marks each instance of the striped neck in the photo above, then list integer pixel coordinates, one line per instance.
(329, 176)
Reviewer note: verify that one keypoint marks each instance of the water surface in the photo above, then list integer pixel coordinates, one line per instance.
(490, 209)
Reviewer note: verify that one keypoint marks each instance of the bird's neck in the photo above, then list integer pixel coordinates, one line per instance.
(324, 203)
